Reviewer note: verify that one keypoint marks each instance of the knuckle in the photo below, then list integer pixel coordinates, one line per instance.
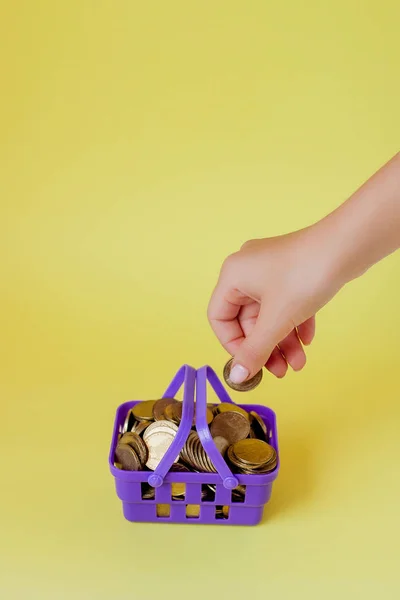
(247, 244)
(230, 262)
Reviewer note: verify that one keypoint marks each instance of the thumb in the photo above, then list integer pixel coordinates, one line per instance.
(257, 347)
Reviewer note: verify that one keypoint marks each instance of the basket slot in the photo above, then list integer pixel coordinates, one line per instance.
(239, 499)
(193, 511)
(182, 492)
(210, 493)
(146, 490)
(163, 511)
(222, 512)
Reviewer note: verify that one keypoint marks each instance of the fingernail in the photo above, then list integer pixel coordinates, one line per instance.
(238, 374)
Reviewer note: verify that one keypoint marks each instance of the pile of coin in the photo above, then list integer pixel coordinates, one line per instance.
(151, 426)
(252, 456)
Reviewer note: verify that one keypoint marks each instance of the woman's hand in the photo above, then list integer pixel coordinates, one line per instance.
(262, 309)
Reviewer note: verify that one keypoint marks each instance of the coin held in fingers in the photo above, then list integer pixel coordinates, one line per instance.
(247, 385)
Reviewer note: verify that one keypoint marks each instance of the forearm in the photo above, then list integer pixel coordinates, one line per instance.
(366, 228)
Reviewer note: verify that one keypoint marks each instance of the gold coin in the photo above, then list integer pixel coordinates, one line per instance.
(247, 385)
(177, 410)
(193, 511)
(228, 407)
(140, 426)
(258, 425)
(273, 456)
(266, 468)
(137, 444)
(193, 453)
(210, 464)
(178, 489)
(215, 410)
(252, 452)
(230, 425)
(163, 510)
(160, 406)
(129, 422)
(209, 416)
(184, 454)
(127, 457)
(169, 412)
(232, 458)
(270, 464)
(144, 410)
(206, 464)
(125, 439)
(197, 455)
(191, 447)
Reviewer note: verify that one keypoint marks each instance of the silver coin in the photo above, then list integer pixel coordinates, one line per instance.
(159, 426)
(158, 443)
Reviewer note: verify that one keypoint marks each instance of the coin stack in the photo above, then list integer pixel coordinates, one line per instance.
(252, 456)
(151, 426)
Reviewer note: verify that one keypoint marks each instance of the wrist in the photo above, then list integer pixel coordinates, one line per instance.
(341, 246)
(333, 253)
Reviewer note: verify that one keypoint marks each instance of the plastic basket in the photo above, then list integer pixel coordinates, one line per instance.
(130, 485)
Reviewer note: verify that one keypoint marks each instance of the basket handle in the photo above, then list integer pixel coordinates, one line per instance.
(185, 376)
(204, 374)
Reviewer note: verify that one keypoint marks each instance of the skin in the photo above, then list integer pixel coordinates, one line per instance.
(264, 304)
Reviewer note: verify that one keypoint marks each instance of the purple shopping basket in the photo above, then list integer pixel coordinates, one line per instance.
(130, 485)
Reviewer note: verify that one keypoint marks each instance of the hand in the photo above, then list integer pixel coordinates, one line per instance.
(262, 309)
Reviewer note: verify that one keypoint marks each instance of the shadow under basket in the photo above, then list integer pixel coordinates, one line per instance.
(209, 498)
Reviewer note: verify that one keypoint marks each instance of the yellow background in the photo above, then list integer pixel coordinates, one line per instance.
(140, 143)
